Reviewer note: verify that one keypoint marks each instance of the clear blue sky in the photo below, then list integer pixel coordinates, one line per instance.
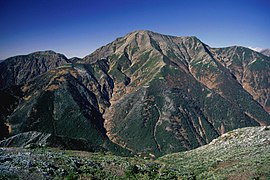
(77, 28)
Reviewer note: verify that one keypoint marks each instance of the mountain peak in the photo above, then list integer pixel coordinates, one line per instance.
(45, 52)
(143, 31)
(148, 32)
(141, 41)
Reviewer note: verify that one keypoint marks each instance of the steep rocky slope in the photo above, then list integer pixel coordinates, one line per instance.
(239, 154)
(250, 68)
(146, 92)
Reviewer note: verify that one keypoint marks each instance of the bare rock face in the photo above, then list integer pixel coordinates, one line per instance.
(146, 93)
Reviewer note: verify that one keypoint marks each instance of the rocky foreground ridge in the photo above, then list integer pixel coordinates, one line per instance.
(239, 154)
(144, 93)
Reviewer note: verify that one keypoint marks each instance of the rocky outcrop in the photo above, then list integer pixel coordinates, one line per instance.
(34, 139)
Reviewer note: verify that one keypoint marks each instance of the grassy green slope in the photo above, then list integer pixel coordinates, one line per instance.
(239, 154)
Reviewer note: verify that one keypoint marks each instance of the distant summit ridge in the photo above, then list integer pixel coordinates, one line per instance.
(265, 51)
